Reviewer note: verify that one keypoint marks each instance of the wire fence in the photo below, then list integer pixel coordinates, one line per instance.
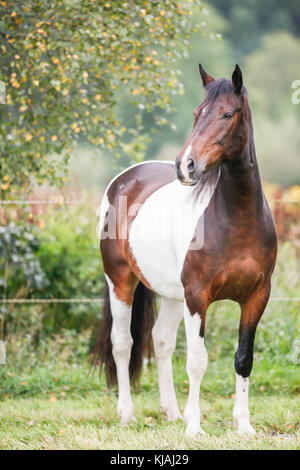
(51, 301)
(56, 202)
(62, 201)
(100, 300)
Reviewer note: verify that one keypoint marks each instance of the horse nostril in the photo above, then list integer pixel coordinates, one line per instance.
(190, 164)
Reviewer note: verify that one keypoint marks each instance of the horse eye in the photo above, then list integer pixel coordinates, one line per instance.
(227, 116)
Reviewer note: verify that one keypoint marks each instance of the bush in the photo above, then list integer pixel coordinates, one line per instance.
(20, 266)
(56, 259)
(69, 254)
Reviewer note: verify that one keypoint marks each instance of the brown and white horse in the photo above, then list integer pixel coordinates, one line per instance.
(194, 232)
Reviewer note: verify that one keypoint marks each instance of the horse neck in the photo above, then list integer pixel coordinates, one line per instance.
(240, 181)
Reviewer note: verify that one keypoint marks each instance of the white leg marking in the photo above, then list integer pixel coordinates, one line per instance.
(164, 337)
(196, 366)
(240, 410)
(122, 342)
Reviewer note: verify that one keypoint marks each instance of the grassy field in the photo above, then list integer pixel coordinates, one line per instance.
(89, 421)
(50, 399)
(60, 404)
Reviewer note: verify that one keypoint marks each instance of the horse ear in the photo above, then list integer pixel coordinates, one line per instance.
(206, 79)
(237, 79)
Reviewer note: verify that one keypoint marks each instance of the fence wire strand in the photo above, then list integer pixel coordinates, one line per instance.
(100, 299)
(61, 202)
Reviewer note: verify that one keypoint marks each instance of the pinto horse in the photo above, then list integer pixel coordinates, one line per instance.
(195, 231)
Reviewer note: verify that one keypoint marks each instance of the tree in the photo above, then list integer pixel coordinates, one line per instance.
(67, 63)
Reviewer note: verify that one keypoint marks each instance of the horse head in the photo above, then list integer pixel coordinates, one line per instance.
(220, 130)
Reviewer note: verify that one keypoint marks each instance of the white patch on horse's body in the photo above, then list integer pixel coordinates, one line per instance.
(196, 365)
(204, 110)
(162, 231)
(104, 206)
(122, 342)
(164, 339)
(241, 410)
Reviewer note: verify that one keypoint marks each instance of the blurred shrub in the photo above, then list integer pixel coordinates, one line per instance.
(69, 254)
(277, 147)
(56, 257)
(20, 267)
(285, 206)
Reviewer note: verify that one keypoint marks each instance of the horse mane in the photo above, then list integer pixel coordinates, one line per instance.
(210, 177)
(222, 86)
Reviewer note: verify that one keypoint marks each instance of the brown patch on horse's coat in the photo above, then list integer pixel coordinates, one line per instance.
(136, 184)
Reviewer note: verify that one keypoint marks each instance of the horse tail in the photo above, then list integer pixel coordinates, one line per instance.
(142, 321)
(102, 352)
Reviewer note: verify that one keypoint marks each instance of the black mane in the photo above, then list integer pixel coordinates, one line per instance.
(222, 86)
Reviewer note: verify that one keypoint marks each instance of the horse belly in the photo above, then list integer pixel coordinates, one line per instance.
(159, 267)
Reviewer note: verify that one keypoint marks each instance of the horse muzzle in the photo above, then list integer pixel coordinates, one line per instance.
(188, 172)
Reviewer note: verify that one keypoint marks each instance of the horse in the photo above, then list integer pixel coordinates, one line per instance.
(193, 231)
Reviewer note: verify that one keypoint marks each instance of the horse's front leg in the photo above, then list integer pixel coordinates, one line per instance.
(251, 311)
(196, 366)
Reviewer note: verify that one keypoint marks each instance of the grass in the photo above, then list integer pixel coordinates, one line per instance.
(91, 422)
(59, 406)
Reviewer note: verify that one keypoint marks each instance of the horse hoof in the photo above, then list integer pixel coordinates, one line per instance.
(246, 430)
(125, 421)
(194, 431)
(172, 415)
(172, 418)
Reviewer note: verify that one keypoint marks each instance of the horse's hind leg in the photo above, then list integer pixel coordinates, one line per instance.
(121, 349)
(164, 338)
(251, 311)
